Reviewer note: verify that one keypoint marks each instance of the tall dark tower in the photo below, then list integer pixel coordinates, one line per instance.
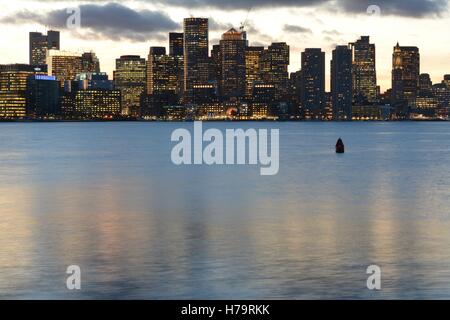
(313, 83)
(364, 71)
(90, 62)
(405, 74)
(176, 44)
(232, 53)
(252, 68)
(341, 83)
(40, 43)
(196, 58)
(274, 67)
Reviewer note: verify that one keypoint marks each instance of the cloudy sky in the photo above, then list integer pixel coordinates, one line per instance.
(114, 28)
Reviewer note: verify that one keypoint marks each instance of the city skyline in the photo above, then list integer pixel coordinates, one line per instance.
(234, 80)
(301, 27)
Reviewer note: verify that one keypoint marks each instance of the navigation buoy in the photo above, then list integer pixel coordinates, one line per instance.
(340, 148)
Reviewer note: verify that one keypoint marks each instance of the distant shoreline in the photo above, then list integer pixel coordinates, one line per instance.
(175, 121)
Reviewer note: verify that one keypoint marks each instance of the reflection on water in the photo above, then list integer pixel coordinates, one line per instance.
(106, 197)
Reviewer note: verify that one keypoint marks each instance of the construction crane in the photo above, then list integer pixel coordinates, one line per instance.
(244, 23)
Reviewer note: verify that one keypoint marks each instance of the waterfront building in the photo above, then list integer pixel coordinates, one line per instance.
(162, 72)
(210, 111)
(313, 83)
(274, 68)
(232, 53)
(405, 74)
(97, 104)
(252, 69)
(364, 71)
(371, 112)
(43, 97)
(164, 79)
(196, 59)
(13, 90)
(441, 92)
(341, 83)
(130, 79)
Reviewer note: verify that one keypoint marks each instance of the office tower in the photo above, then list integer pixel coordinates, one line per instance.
(43, 97)
(130, 79)
(425, 83)
(90, 62)
(295, 84)
(313, 83)
(40, 43)
(97, 104)
(441, 92)
(274, 67)
(215, 66)
(264, 98)
(341, 83)
(405, 74)
(13, 90)
(364, 71)
(196, 58)
(176, 44)
(162, 72)
(252, 68)
(232, 52)
(176, 50)
(63, 65)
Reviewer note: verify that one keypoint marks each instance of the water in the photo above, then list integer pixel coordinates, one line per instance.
(106, 197)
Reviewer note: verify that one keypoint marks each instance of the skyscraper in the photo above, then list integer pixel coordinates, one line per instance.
(43, 94)
(441, 91)
(341, 83)
(425, 83)
(252, 68)
(162, 72)
(232, 51)
(63, 65)
(364, 71)
(90, 63)
(274, 67)
(405, 74)
(130, 79)
(195, 54)
(176, 44)
(215, 65)
(313, 83)
(13, 90)
(176, 50)
(40, 43)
